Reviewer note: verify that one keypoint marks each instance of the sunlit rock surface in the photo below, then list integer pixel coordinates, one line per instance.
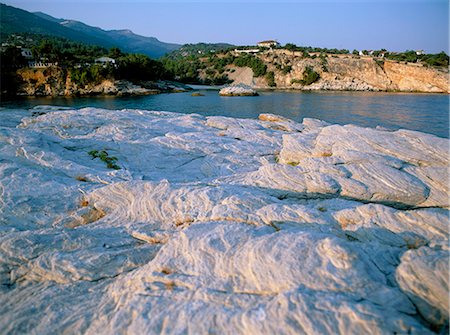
(216, 225)
(238, 90)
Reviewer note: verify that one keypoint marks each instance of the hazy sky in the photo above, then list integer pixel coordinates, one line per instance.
(395, 25)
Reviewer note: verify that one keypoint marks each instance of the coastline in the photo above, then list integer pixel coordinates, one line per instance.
(141, 91)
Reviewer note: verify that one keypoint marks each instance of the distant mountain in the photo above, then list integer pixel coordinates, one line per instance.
(15, 20)
(48, 17)
(125, 39)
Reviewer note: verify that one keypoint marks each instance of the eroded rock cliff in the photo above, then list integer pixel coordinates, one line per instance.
(346, 72)
(55, 81)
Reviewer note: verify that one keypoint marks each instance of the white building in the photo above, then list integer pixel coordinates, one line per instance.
(268, 44)
(25, 52)
(105, 60)
(246, 51)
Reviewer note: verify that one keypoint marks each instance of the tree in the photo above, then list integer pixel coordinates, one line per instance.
(270, 77)
(309, 76)
(115, 53)
(137, 67)
(256, 64)
(290, 47)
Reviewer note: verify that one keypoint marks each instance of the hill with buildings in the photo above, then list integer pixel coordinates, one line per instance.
(307, 68)
(42, 41)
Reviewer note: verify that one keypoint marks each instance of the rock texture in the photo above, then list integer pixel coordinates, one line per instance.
(237, 90)
(219, 225)
(345, 72)
(54, 81)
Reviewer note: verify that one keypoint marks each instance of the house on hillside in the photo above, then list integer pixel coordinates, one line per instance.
(246, 51)
(26, 53)
(105, 60)
(268, 44)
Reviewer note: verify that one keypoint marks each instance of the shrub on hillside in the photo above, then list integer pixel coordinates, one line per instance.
(309, 76)
(137, 67)
(270, 77)
(93, 74)
(440, 59)
(286, 69)
(256, 64)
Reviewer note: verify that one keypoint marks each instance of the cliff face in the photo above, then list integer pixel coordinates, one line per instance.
(342, 73)
(54, 81)
(347, 73)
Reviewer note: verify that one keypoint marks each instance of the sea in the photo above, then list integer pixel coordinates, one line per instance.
(427, 113)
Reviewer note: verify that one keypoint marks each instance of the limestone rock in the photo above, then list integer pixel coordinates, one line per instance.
(238, 90)
(219, 225)
(424, 275)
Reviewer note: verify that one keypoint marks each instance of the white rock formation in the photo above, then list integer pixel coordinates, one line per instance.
(219, 225)
(238, 90)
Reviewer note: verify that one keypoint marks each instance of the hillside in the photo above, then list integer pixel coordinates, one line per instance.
(14, 20)
(287, 69)
(348, 72)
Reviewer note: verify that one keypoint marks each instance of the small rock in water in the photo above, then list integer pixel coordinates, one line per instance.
(238, 90)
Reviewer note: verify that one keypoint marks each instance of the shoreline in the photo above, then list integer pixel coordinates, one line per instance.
(215, 88)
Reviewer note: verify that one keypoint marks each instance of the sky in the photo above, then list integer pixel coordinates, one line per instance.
(395, 25)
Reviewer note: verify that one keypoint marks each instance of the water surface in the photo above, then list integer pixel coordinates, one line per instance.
(423, 112)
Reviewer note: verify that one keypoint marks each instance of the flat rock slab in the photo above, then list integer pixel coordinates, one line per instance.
(219, 225)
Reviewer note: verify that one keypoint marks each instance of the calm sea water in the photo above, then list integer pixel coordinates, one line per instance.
(423, 112)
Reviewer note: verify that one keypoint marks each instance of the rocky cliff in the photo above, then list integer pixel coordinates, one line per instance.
(345, 72)
(55, 81)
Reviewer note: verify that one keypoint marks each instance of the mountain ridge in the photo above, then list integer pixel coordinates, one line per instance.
(16, 20)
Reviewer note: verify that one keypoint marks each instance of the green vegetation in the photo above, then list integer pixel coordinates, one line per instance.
(183, 70)
(200, 49)
(410, 56)
(93, 74)
(324, 62)
(307, 50)
(63, 51)
(309, 76)
(193, 63)
(256, 64)
(104, 157)
(286, 69)
(10, 59)
(270, 77)
(440, 59)
(296, 81)
(136, 67)
(18, 21)
(78, 60)
(197, 68)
